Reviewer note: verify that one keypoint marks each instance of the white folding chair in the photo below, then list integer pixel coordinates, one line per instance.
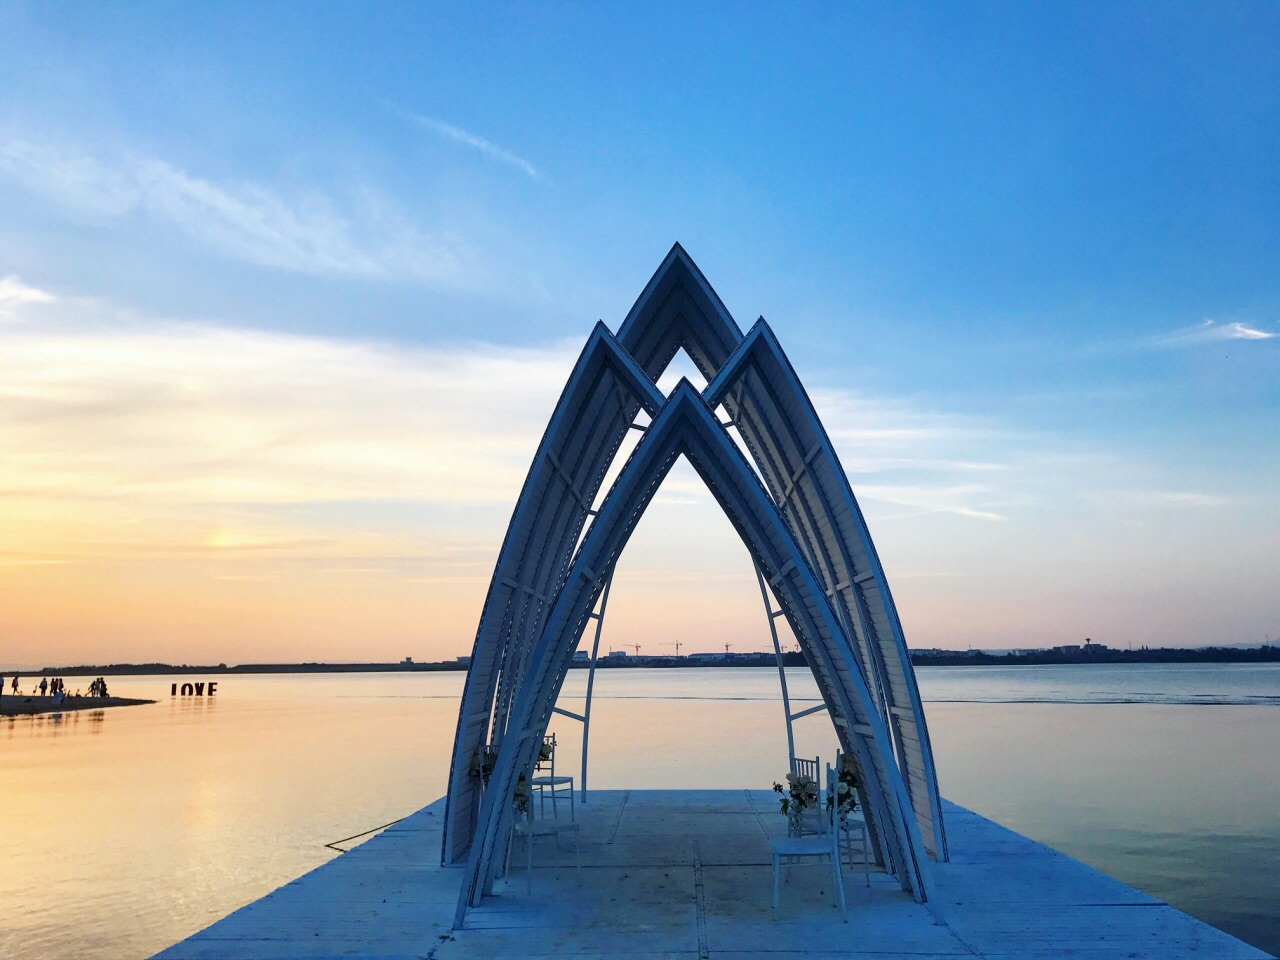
(823, 844)
(550, 783)
(850, 826)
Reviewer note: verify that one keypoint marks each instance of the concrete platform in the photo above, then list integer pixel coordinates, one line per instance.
(687, 874)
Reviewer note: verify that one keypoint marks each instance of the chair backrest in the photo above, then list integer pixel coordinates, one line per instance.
(548, 748)
(809, 821)
(830, 796)
(842, 763)
(807, 768)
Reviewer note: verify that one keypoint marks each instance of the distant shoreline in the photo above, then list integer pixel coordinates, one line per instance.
(1265, 653)
(20, 706)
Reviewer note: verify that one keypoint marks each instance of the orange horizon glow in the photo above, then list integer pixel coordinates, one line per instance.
(198, 494)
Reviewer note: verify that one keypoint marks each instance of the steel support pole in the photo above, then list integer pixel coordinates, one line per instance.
(772, 617)
(591, 681)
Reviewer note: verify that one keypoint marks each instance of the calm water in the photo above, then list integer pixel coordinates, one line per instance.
(126, 830)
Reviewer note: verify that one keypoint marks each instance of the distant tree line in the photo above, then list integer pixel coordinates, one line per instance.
(1095, 653)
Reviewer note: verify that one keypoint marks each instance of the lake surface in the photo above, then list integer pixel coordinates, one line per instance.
(126, 830)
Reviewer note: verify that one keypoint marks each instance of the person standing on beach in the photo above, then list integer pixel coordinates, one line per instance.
(15, 684)
(44, 686)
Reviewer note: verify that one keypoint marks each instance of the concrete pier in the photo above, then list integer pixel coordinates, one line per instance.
(687, 874)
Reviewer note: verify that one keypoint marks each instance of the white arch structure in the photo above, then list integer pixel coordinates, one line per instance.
(795, 512)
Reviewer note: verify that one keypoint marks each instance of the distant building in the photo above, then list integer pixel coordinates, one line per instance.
(407, 661)
(581, 656)
(617, 654)
(465, 661)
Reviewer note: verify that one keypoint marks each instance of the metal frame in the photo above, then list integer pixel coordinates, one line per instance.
(584, 718)
(793, 506)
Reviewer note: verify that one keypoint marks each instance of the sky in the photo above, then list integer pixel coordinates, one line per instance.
(288, 293)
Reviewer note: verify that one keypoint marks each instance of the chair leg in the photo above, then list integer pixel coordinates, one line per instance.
(866, 857)
(839, 880)
(528, 867)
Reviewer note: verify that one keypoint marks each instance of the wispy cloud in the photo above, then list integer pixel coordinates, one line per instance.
(262, 465)
(926, 499)
(458, 135)
(204, 444)
(190, 413)
(14, 295)
(1164, 499)
(307, 232)
(1210, 331)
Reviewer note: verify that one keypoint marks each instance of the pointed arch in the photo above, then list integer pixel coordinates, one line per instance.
(685, 425)
(753, 379)
(597, 406)
(782, 430)
(678, 308)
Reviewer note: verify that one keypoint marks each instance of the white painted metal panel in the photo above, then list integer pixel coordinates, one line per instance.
(859, 644)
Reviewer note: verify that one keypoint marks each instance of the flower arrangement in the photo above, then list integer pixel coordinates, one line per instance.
(521, 795)
(545, 751)
(800, 793)
(845, 800)
(482, 763)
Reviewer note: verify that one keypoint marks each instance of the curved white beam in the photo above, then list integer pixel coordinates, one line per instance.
(598, 403)
(754, 380)
(781, 428)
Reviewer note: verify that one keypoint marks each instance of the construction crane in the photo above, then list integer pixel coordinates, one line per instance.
(674, 643)
(726, 648)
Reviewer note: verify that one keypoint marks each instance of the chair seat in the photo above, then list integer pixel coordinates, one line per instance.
(550, 781)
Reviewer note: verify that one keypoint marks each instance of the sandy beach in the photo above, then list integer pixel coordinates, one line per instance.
(20, 705)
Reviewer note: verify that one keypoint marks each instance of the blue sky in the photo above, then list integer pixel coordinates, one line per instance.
(273, 272)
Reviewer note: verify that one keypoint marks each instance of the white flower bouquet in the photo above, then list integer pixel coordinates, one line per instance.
(482, 763)
(845, 800)
(800, 793)
(521, 795)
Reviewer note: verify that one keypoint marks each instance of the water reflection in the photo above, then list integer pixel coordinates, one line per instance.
(52, 724)
(193, 705)
(117, 845)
